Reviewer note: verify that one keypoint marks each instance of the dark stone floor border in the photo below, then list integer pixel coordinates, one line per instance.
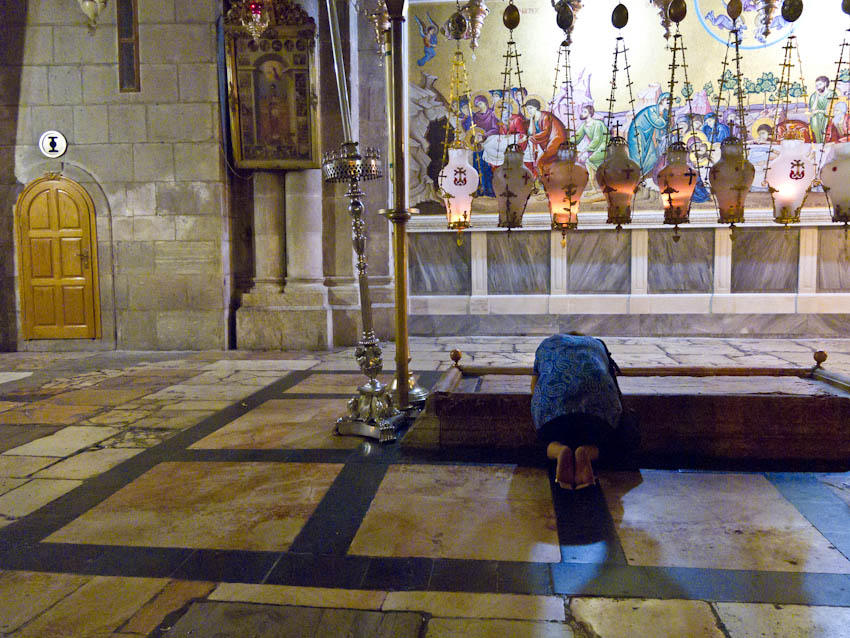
(427, 574)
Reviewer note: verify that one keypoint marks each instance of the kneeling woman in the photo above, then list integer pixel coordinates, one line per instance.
(575, 404)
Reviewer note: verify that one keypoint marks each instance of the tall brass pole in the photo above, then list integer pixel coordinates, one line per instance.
(399, 214)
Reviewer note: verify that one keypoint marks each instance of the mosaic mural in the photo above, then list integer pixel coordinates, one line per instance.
(535, 115)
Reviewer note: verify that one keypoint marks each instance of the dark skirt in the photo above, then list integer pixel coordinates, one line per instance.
(575, 430)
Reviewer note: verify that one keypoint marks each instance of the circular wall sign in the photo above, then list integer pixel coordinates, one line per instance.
(52, 144)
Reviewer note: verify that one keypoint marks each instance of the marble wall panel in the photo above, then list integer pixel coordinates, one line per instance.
(713, 325)
(599, 262)
(765, 259)
(437, 265)
(833, 260)
(518, 263)
(684, 266)
(719, 325)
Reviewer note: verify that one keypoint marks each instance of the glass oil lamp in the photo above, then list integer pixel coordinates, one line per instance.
(513, 183)
(619, 177)
(789, 178)
(731, 178)
(458, 181)
(677, 180)
(835, 178)
(564, 181)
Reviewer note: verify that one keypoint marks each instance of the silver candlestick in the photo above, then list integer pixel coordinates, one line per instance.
(371, 410)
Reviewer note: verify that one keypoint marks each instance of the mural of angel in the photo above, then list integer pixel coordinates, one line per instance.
(429, 38)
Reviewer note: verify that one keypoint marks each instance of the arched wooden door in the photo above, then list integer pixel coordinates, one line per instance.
(57, 260)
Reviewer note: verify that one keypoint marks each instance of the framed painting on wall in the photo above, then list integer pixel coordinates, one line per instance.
(272, 89)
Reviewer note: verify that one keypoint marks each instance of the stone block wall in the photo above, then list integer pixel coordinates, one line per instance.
(151, 160)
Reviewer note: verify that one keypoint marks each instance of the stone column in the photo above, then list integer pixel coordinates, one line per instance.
(268, 232)
(274, 316)
(304, 231)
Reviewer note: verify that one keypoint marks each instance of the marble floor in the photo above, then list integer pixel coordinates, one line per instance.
(205, 494)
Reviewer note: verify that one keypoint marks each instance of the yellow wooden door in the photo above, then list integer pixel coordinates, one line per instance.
(57, 251)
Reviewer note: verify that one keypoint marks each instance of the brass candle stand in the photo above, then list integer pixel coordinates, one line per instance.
(371, 410)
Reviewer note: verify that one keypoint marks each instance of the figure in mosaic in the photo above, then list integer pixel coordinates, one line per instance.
(819, 108)
(545, 131)
(596, 133)
(429, 39)
(646, 135)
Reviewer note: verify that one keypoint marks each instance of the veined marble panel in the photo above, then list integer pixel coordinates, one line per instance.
(599, 261)
(660, 325)
(437, 265)
(684, 266)
(833, 260)
(765, 259)
(518, 263)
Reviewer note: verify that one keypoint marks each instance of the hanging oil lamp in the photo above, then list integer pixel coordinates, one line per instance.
(252, 15)
(512, 181)
(789, 176)
(835, 178)
(835, 175)
(677, 179)
(619, 176)
(564, 179)
(731, 177)
(458, 179)
(768, 7)
(475, 11)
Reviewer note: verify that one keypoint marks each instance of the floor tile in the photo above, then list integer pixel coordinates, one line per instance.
(714, 520)
(174, 596)
(473, 628)
(466, 605)
(787, 621)
(88, 464)
(97, 608)
(8, 405)
(334, 383)
(284, 621)
(44, 412)
(118, 417)
(229, 393)
(284, 423)
(137, 438)
(173, 419)
(628, 618)
(305, 596)
(33, 495)
(249, 364)
(478, 512)
(111, 397)
(12, 436)
(24, 595)
(259, 506)
(6, 377)
(8, 484)
(23, 466)
(66, 441)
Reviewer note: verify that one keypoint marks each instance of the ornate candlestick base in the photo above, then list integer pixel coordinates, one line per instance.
(371, 410)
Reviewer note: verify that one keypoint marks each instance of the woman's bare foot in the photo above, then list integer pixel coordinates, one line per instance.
(565, 465)
(585, 455)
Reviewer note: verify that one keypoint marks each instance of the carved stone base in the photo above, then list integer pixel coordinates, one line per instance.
(297, 319)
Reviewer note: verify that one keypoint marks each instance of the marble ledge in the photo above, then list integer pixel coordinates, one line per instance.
(598, 220)
(740, 303)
